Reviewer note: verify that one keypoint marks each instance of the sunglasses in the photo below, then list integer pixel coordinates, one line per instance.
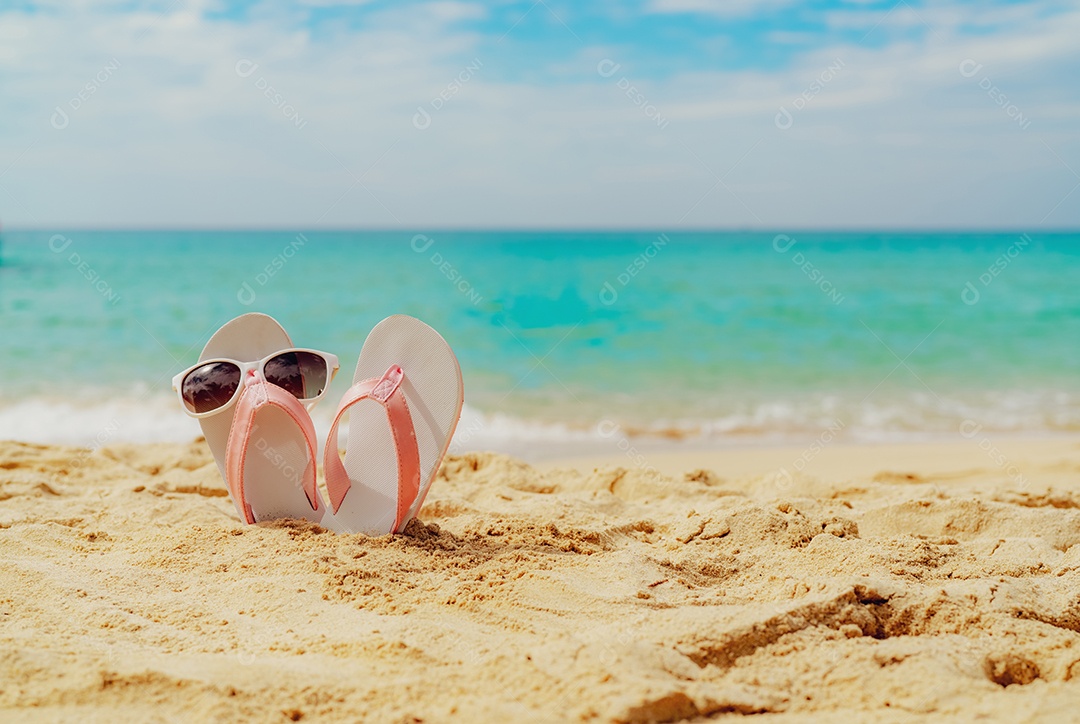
(211, 386)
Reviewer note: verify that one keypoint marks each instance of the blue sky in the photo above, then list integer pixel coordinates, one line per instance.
(657, 113)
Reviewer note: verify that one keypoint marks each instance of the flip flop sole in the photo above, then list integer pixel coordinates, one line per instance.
(276, 462)
(277, 453)
(433, 390)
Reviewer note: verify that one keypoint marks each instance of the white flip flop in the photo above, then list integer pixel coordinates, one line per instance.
(264, 444)
(403, 407)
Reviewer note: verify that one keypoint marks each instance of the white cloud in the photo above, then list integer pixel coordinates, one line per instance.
(176, 136)
(720, 8)
(333, 3)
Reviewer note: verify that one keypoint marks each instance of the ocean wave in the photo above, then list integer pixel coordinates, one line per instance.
(94, 423)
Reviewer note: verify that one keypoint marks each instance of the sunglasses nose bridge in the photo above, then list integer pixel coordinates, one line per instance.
(251, 376)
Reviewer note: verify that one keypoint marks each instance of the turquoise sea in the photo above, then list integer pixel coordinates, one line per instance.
(714, 338)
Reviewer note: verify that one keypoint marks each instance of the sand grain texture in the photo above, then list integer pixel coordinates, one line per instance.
(130, 591)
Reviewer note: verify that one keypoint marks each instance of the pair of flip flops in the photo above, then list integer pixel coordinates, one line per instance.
(403, 408)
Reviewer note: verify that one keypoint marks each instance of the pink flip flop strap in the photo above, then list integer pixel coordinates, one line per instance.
(385, 390)
(257, 394)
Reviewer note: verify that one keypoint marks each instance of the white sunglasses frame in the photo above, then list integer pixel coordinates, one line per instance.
(332, 367)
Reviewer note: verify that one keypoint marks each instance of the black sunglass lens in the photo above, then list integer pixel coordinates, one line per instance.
(301, 373)
(210, 386)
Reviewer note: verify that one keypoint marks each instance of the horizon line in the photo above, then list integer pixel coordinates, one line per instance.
(598, 229)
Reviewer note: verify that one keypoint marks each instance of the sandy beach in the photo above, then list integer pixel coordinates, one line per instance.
(934, 582)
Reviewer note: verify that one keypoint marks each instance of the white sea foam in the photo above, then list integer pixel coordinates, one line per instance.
(93, 423)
